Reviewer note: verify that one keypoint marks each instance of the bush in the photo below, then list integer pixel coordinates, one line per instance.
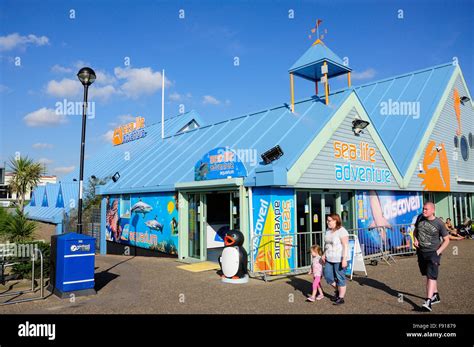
(17, 228)
(4, 216)
(23, 269)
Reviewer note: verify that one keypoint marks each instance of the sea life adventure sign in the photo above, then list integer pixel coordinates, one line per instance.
(359, 164)
(220, 162)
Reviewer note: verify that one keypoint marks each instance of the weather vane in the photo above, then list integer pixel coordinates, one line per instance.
(315, 30)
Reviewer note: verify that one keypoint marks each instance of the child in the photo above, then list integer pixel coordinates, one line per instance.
(316, 270)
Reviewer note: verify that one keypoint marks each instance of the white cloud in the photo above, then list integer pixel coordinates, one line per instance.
(40, 145)
(15, 40)
(44, 117)
(142, 81)
(175, 96)
(103, 77)
(4, 89)
(126, 118)
(45, 161)
(363, 75)
(80, 64)
(60, 69)
(63, 169)
(65, 88)
(108, 136)
(103, 93)
(209, 99)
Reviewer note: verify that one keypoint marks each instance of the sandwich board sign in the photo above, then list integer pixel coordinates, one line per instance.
(355, 261)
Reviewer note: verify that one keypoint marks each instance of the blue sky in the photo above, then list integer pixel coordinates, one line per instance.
(42, 48)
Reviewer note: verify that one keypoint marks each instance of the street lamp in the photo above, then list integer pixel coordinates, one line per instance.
(87, 76)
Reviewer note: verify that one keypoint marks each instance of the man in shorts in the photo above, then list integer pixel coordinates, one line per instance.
(428, 233)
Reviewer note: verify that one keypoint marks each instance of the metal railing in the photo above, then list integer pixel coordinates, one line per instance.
(289, 254)
(282, 254)
(6, 263)
(383, 243)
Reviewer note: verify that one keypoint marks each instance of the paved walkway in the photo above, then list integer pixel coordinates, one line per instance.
(156, 285)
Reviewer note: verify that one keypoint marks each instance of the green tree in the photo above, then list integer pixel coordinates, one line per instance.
(26, 176)
(18, 228)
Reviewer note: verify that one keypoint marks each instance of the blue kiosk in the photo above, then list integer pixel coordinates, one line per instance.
(72, 265)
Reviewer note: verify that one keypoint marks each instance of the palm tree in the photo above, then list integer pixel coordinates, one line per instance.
(26, 176)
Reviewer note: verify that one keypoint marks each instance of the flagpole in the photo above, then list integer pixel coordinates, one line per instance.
(163, 105)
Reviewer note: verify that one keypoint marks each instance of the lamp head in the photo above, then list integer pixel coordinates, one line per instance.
(86, 75)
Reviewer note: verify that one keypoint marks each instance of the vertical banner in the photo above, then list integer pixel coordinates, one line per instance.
(385, 218)
(274, 241)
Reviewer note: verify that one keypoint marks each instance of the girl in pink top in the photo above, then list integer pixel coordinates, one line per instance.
(316, 270)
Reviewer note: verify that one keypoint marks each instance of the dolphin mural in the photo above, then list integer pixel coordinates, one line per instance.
(141, 207)
(154, 225)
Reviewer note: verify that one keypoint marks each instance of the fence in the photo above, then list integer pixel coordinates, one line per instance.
(383, 243)
(90, 224)
(290, 254)
(282, 254)
(7, 261)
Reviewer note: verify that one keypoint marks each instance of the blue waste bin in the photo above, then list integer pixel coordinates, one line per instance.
(72, 264)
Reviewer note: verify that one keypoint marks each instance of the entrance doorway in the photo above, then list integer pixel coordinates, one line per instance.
(313, 207)
(210, 216)
(194, 226)
(217, 223)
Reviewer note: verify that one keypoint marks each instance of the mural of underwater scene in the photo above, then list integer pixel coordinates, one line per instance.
(147, 221)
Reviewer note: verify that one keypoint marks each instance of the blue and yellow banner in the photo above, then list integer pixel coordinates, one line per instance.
(274, 241)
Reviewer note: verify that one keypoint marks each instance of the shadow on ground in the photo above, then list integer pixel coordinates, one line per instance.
(105, 277)
(370, 282)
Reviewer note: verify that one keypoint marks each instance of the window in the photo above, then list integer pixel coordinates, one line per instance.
(125, 205)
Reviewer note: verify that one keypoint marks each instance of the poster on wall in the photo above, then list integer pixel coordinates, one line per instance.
(147, 221)
(387, 220)
(273, 242)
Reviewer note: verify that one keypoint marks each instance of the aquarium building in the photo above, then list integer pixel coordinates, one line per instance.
(372, 153)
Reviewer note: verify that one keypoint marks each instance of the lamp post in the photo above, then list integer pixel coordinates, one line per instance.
(87, 76)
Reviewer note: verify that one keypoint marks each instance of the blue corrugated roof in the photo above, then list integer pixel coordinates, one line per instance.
(309, 64)
(108, 160)
(44, 214)
(401, 134)
(105, 163)
(172, 161)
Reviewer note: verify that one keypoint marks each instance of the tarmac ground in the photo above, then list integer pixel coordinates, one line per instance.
(129, 285)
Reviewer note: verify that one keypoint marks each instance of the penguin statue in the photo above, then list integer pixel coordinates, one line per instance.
(233, 261)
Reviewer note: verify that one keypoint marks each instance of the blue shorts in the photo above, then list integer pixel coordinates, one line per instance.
(334, 272)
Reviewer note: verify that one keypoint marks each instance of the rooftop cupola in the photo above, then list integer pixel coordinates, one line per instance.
(318, 64)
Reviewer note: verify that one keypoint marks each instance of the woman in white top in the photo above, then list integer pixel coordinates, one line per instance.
(336, 246)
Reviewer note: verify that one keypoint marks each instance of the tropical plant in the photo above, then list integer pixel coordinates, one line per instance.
(26, 176)
(4, 216)
(18, 228)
